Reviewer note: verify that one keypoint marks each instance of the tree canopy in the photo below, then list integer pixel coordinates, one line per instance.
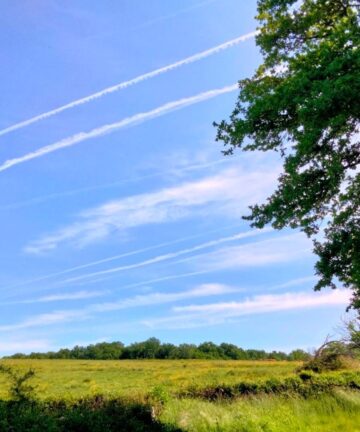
(152, 348)
(303, 102)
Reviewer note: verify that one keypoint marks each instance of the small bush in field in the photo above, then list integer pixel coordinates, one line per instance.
(159, 394)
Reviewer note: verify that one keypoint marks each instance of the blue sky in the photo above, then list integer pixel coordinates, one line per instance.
(120, 218)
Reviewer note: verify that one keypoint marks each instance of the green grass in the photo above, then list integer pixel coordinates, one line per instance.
(69, 379)
(329, 413)
(260, 396)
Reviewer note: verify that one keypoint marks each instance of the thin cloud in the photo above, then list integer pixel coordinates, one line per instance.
(78, 295)
(271, 303)
(165, 205)
(175, 171)
(218, 313)
(47, 319)
(23, 345)
(296, 282)
(119, 256)
(126, 122)
(256, 254)
(58, 317)
(168, 256)
(125, 84)
(157, 298)
(175, 14)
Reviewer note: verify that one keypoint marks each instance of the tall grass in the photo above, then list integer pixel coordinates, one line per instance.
(339, 411)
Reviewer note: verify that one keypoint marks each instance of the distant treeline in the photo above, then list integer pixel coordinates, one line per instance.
(153, 349)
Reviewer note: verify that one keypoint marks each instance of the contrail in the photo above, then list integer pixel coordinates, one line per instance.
(157, 259)
(177, 170)
(119, 256)
(165, 257)
(174, 15)
(125, 84)
(128, 121)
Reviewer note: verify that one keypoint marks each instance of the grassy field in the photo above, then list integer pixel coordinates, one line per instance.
(79, 378)
(160, 384)
(328, 413)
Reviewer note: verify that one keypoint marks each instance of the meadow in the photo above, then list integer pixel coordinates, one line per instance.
(186, 395)
(71, 379)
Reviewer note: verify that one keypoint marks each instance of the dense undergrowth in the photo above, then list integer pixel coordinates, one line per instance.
(89, 415)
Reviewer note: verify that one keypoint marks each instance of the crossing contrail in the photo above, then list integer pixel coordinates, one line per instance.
(128, 121)
(131, 82)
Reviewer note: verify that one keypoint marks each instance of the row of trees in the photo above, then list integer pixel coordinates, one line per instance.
(153, 349)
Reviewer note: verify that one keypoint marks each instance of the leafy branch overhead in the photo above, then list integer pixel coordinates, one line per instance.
(303, 102)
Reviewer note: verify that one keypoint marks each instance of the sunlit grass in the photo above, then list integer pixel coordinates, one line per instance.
(77, 378)
(141, 380)
(329, 413)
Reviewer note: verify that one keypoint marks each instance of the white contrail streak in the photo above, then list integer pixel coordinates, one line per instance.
(168, 256)
(128, 121)
(119, 256)
(125, 84)
(175, 171)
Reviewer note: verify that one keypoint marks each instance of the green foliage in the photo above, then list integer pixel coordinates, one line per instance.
(87, 415)
(353, 329)
(20, 389)
(329, 361)
(299, 355)
(153, 349)
(338, 411)
(159, 394)
(305, 384)
(303, 102)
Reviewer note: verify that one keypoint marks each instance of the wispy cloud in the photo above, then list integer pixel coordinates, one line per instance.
(168, 256)
(125, 84)
(216, 313)
(120, 256)
(23, 346)
(46, 319)
(296, 282)
(109, 128)
(78, 295)
(227, 193)
(175, 14)
(265, 252)
(177, 170)
(155, 298)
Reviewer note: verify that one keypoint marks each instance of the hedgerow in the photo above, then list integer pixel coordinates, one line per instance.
(305, 384)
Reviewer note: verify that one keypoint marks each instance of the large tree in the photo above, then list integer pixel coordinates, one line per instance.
(304, 102)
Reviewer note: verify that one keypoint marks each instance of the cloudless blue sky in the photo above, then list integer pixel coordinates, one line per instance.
(159, 192)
